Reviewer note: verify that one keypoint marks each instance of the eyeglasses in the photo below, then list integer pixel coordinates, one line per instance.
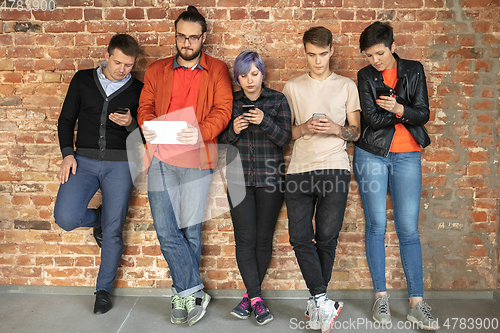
(192, 39)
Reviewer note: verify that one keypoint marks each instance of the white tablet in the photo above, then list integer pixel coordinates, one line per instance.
(166, 131)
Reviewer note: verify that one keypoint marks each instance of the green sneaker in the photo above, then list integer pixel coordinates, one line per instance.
(196, 306)
(421, 315)
(179, 313)
(380, 312)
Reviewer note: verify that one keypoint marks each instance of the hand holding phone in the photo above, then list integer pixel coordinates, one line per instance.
(121, 116)
(247, 108)
(318, 116)
(384, 91)
(121, 110)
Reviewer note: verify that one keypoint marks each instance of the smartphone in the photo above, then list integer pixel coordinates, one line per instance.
(318, 116)
(384, 91)
(121, 110)
(247, 108)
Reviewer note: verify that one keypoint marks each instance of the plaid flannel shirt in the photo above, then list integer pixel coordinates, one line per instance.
(260, 147)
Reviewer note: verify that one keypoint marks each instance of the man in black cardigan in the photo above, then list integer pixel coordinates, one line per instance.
(104, 101)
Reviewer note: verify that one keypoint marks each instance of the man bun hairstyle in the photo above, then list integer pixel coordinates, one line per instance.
(318, 36)
(376, 33)
(192, 15)
(125, 43)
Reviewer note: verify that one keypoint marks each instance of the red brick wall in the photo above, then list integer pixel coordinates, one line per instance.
(457, 41)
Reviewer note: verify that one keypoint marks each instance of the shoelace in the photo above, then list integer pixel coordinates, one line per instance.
(259, 308)
(190, 302)
(178, 303)
(383, 306)
(426, 310)
(245, 303)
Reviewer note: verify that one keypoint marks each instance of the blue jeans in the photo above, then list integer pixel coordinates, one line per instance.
(71, 208)
(402, 172)
(177, 199)
(321, 194)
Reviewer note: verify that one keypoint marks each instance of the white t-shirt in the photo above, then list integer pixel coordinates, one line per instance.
(335, 96)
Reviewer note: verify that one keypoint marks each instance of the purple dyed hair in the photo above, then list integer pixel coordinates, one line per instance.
(243, 63)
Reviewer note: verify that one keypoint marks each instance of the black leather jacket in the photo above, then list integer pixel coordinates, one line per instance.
(377, 124)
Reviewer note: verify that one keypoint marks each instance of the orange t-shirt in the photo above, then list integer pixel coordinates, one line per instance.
(185, 93)
(403, 141)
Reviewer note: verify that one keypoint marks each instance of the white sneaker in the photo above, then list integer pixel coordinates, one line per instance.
(328, 313)
(312, 313)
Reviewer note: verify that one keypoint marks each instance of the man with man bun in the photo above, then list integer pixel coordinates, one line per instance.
(195, 88)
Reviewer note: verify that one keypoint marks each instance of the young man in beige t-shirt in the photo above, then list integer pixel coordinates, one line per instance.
(318, 175)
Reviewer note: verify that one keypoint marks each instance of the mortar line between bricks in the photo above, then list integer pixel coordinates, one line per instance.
(128, 315)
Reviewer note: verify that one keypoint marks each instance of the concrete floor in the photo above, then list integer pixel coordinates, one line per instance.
(67, 313)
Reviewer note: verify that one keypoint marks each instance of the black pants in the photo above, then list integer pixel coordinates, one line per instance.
(325, 190)
(254, 220)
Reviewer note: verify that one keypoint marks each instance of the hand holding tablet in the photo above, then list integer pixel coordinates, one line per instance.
(166, 132)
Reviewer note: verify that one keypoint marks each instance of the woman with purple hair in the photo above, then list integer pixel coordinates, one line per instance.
(259, 129)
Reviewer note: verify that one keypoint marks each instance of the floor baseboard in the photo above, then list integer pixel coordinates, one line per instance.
(236, 293)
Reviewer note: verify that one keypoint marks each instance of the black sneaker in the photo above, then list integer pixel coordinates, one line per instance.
(244, 309)
(102, 302)
(262, 314)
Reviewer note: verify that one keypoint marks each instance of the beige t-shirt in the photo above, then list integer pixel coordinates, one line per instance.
(335, 96)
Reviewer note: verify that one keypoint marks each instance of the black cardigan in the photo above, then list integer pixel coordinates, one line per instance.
(97, 137)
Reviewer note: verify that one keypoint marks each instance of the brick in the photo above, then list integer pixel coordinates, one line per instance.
(260, 15)
(365, 15)
(92, 14)
(238, 14)
(34, 225)
(151, 250)
(212, 250)
(406, 4)
(15, 15)
(51, 77)
(482, 130)
(74, 3)
(442, 156)
(135, 14)
(41, 200)
(156, 13)
(6, 65)
(12, 77)
(10, 176)
(158, 26)
(63, 272)
(479, 156)
(79, 249)
(353, 27)
(47, 238)
(217, 275)
(57, 27)
(325, 3)
(64, 261)
(232, 3)
(44, 261)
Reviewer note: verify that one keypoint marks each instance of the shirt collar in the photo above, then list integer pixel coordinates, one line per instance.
(266, 92)
(176, 64)
(101, 75)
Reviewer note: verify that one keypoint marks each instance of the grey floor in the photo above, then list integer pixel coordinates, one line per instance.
(40, 313)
